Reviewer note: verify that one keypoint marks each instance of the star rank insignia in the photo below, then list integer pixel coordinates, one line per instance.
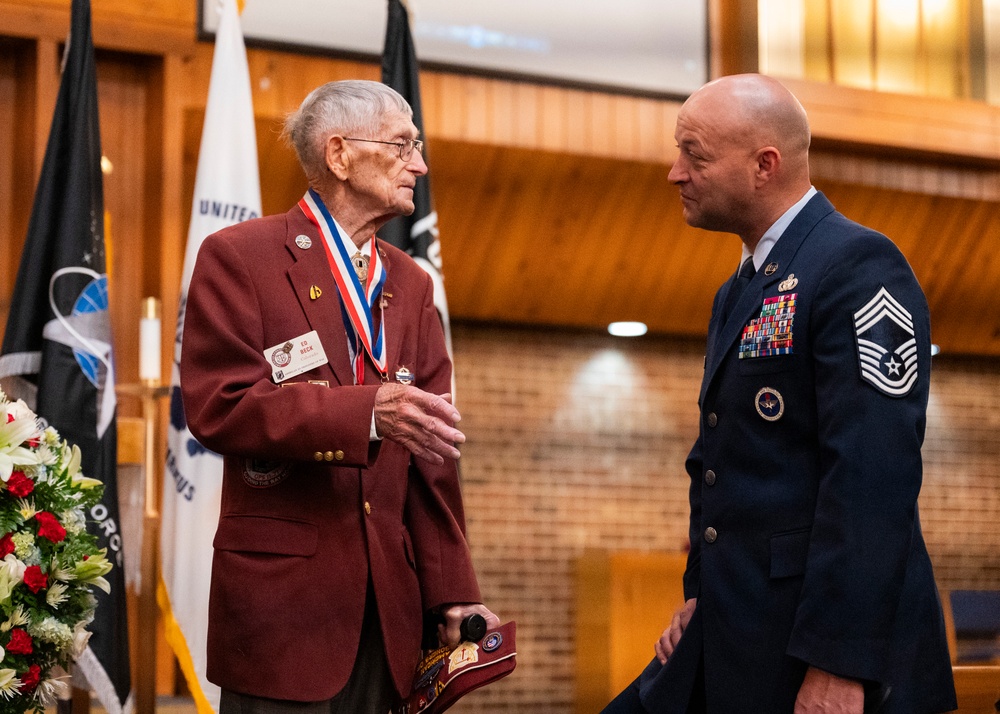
(887, 345)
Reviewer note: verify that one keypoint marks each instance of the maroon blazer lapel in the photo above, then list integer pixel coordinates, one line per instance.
(312, 270)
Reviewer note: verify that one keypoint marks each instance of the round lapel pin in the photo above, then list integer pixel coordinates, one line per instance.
(303, 241)
(770, 404)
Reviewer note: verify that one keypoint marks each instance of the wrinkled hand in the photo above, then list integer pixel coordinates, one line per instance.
(825, 693)
(665, 646)
(420, 421)
(449, 632)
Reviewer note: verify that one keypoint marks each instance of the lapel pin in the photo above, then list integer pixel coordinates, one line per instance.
(771, 269)
(303, 241)
(788, 283)
(404, 376)
(314, 292)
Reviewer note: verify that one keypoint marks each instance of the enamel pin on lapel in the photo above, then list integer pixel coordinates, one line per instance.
(404, 375)
(303, 241)
(771, 269)
(314, 292)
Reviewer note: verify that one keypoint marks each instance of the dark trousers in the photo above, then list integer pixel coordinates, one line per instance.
(369, 690)
(628, 701)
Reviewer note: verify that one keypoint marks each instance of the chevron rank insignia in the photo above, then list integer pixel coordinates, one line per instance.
(887, 346)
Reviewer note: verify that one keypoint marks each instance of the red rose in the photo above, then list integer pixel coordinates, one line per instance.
(48, 527)
(6, 545)
(30, 679)
(35, 579)
(20, 642)
(20, 485)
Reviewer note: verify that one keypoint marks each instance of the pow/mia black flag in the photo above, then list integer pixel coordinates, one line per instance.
(416, 234)
(56, 350)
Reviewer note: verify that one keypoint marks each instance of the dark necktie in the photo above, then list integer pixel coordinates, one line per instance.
(743, 278)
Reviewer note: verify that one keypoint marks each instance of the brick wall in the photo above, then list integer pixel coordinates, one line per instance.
(578, 441)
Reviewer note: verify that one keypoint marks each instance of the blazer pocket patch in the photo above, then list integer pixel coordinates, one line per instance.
(258, 473)
(261, 534)
(789, 552)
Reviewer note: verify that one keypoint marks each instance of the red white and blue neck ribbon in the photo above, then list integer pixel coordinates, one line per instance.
(356, 300)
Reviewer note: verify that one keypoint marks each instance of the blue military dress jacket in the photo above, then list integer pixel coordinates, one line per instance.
(806, 546)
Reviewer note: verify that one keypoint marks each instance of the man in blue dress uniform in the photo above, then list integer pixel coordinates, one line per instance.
(808, 586)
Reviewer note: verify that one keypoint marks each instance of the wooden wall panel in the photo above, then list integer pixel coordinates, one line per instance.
(122, 97)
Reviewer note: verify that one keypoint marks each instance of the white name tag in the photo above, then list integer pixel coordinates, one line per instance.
(295, 356)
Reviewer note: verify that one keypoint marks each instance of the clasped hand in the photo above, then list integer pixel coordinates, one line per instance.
(418, 420)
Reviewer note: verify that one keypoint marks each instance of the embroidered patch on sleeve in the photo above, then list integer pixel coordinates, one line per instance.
(887, 346)
(770, 334)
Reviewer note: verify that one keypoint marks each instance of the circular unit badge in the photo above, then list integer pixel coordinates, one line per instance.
(770, 404)
(492, 641)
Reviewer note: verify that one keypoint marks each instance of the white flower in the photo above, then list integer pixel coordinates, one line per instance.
(51, 630)
(12, 435)
(81, 638)
(11, 575)
(73, 521)
(26, 508)
(18, 618)
(56, 594)
(49, 690)
(9, 683)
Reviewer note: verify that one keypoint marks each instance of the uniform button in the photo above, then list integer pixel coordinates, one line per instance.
(711, 534)
(368, 508)
(338, 455)
(710, 477)
(713, 419)
(328, 456)
(318, 456)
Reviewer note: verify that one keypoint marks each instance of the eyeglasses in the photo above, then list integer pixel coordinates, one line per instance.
(406, 147)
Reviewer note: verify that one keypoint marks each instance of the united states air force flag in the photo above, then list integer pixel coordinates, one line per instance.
(226, 191)
(56, 350)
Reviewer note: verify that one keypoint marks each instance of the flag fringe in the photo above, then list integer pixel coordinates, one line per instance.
(175, 638)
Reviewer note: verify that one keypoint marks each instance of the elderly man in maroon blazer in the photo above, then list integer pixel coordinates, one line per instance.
(315, 363)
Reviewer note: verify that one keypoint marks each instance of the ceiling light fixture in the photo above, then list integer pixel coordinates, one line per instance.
(627, 329)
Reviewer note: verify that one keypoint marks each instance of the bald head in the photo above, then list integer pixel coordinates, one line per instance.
(756, 110)
(744, 154)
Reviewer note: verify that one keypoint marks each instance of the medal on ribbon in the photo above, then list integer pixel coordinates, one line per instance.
(357, 299)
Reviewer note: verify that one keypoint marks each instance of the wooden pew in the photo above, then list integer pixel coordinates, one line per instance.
(978, 688)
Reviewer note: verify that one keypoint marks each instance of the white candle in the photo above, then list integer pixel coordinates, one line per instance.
(149, 341)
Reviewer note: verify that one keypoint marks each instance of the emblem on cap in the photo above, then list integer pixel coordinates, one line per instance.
(281, 357)
(770, 404)
(771, 269)
(492, 641)
(887, 345)
(303, 241)
(462, 656)
(788, 283)
(404, 376)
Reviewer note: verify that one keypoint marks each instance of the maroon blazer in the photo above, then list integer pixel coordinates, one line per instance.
(292, 558)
